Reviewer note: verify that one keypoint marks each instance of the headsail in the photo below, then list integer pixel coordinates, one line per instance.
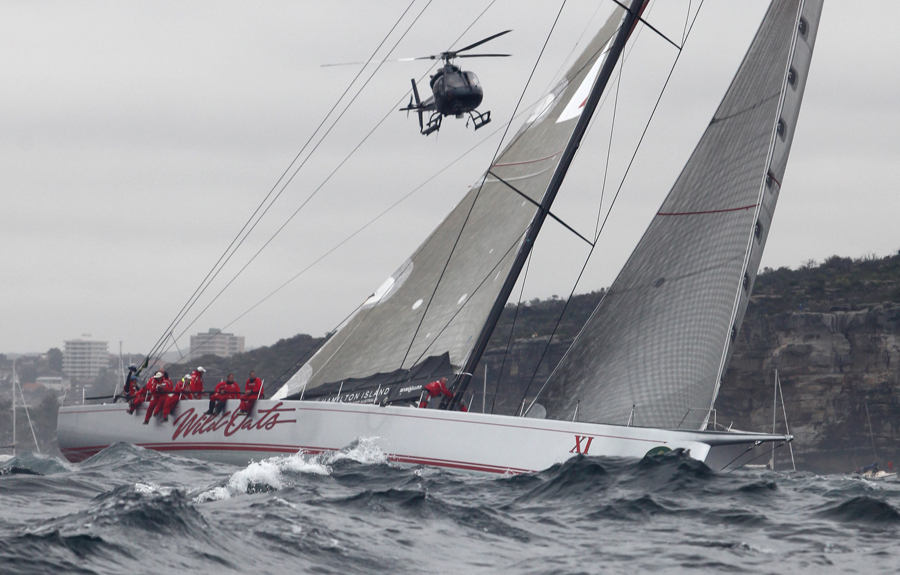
(438, 301)
(658, 343)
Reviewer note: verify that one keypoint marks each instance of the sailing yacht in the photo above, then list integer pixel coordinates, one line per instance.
(643, 373)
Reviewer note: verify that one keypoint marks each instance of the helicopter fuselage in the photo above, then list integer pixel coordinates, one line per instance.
(456, 92)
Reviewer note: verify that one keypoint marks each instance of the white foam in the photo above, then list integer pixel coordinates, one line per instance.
(271, 471)
(151, 488)
(364, 451)
(266, 472)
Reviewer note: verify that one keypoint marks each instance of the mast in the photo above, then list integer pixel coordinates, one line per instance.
(774, 412)
(787, 428)
(121, 373)
(871, 433)
(629, 21)
(14, 379)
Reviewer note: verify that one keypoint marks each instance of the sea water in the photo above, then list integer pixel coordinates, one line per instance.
(130, 510)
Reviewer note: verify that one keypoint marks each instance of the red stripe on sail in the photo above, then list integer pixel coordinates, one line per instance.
(706, 212)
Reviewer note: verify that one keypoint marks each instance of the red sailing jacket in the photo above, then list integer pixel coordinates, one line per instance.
(131, 387)
(436, 388)
(196, 384)
(254, 389)
(149, 389)
(228, 390)
(164, 385)
(182, 385)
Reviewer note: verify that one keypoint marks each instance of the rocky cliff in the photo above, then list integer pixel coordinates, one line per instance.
(831, 366)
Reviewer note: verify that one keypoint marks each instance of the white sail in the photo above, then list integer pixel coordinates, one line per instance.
(659, 341)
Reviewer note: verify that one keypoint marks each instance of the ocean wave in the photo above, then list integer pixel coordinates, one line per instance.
(278, 472)
(352, 511)
(148, 507)
(862, 509)
(36, 463)
(50, 551)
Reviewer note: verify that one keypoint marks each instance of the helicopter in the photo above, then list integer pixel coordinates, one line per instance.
(455, 92)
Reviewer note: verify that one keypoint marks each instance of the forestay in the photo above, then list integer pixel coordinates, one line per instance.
(437, 302)
(658, 343)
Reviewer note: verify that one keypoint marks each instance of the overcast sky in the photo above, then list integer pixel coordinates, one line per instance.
(136, 138)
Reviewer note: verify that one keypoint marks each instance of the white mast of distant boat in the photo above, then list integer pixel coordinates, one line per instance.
(787, 430)
(16, 383)
(871, 433)
(14, 407)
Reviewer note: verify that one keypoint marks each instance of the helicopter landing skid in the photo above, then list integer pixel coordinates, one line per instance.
(478, 119)
(433, 125)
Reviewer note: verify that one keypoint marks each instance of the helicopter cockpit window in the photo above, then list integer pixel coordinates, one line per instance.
(454, 81)
(472, 78)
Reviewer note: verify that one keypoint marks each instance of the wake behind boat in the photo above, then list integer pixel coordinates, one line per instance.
(642, 375)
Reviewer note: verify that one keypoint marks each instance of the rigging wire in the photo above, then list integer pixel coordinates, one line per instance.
(321, 185)
(512, 331)
(403, 98)
(481, 186)
(305, 357)
(612, 131)
(603, 101)
(373, 220)
(612, 204)
(207, 280)
(555, 79)
(475, 291)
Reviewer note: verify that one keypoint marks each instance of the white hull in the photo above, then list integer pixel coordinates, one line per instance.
(880, 475)
(467, 441)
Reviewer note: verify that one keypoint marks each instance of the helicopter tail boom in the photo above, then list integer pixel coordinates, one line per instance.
(418, 106)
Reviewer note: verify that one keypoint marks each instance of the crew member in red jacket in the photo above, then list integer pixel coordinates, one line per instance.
(253, 390)
(141, 395)
(224, 391)
(181, 387)
(157, 394)
(131, 388)
(197, 383)
(434, 389)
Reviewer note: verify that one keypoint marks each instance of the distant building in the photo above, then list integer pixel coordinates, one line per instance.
(58, 384)
(83, 359)
(216, 342)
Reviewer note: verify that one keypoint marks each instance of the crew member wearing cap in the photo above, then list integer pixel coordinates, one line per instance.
(197, 383)
(224, 391)
(434, 389)
(253, 390)
(158, 395)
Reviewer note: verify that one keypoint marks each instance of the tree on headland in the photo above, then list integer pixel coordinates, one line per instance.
(54, 359)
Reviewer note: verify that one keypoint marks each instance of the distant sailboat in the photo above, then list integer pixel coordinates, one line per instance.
(17, 385)
(872, 472)
(642, 375)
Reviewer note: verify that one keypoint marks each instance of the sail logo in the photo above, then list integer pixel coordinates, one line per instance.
(580, 447)
(189, 423)
(579, 99)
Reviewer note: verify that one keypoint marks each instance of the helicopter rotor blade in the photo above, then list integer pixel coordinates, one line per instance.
(443, 55)
(484, 55)
(362, 63)
(479, 43)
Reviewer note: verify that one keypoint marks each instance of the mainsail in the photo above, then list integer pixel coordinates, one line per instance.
(439, 300)
(655, 348)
